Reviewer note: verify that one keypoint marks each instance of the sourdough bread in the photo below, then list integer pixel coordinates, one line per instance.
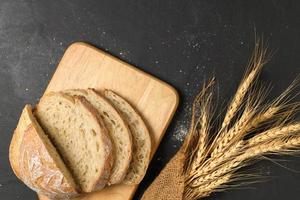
(36, 162)
(80, 137)
(140, 135)
(118, 130)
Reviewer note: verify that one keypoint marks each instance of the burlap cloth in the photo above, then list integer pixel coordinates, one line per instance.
(169, 184)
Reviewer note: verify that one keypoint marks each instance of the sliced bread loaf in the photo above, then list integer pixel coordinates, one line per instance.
(36, 162)
(79, 135)
(140, 135)
(119, 132)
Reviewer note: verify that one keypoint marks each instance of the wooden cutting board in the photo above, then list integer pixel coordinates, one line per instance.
(84, 66)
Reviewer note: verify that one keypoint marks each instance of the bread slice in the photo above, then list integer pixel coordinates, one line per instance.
(36, 162)
(119, 132)
(79, 135)
(140, 135)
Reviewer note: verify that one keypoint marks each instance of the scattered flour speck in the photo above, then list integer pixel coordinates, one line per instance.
(180, 132)
(195, 45)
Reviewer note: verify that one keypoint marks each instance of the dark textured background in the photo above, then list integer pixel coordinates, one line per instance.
(182, 42)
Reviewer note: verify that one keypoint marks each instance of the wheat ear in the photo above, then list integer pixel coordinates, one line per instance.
(278, 106)
(262, 117)
(212, 163)
(234, 133)
(240, 128)
(198, 133)
(203, 133)
(206, 189)
(277, 146)
(258, 59)
(273, 133)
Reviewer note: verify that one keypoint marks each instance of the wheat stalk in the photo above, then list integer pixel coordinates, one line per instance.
(257, 61)
(206, 189)
(244, 123)
(262, 117)
(212, 165)
(195, 144)
(274, 133)
(236, 132)
(203, 136)
(277, 146)
(258, 145)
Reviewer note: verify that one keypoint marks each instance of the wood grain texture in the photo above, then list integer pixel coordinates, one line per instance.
(84, 66)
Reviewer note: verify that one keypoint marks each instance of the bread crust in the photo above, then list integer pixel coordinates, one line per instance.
(16, 140)
(38, 169)
(104, 171)
(34, 164)
(13, 154)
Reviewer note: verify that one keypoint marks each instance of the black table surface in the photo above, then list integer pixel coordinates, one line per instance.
(183, 42)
